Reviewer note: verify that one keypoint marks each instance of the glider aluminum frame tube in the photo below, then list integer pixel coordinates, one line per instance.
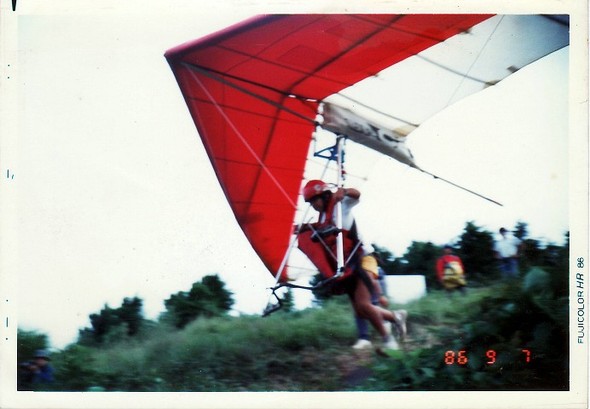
(340, 183)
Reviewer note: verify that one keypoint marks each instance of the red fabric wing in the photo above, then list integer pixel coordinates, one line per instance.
(253, 91)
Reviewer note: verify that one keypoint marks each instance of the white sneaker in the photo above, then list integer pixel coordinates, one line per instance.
(391, 343)
(401, 316)
(362, 344)
(387, 326)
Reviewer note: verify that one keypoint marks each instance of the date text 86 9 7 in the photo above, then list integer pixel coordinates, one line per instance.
(461, 357)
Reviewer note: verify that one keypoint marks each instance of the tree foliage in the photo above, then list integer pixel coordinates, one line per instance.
(288, 301)
(127, 319)
(521, 230)
(475, 247)
(29, 342)
(207, 298)
(130, 313)
(387, 260)
(310, 350)
(476, 250)
(420, 257)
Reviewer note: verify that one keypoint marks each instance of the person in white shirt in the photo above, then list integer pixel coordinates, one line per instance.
(507, 251)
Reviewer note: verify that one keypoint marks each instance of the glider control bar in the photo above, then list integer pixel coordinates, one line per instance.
(270, 308)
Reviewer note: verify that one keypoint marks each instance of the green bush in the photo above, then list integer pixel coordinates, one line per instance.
(310, 350)
(75, 369)
(507, 318)
(28, 342)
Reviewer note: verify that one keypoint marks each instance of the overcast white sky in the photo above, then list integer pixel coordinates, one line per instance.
(116, 197)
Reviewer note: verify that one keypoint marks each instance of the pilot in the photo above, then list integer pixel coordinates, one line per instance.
(361, 283)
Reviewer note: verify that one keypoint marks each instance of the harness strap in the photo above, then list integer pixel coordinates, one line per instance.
(353, 235)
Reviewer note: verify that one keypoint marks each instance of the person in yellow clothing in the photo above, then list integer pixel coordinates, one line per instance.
(450, 271)
(362, 284)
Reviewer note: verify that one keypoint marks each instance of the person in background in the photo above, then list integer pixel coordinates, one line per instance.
(450, 271)
(507, 251)
(36, 373)
(43, 369)
(364, 338)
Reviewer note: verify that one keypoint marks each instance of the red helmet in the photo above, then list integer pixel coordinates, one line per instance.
(314, 188)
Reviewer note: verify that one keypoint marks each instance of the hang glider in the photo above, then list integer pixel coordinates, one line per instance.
(254, 91)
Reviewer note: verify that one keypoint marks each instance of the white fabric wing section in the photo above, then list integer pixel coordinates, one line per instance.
(403, 96)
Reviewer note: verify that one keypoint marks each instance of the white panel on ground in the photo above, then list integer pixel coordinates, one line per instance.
(402, 289)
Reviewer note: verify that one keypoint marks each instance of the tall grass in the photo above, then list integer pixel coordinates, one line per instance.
(281, 352)
(310, 350)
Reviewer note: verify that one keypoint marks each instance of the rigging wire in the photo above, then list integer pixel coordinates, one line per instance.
(292, 244)
(477, 57)
(244, 142)
(460, 187)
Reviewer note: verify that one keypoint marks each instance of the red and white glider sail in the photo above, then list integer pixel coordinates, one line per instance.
(253, 91)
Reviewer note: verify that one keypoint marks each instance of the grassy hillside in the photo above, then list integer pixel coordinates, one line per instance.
(310, 350)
